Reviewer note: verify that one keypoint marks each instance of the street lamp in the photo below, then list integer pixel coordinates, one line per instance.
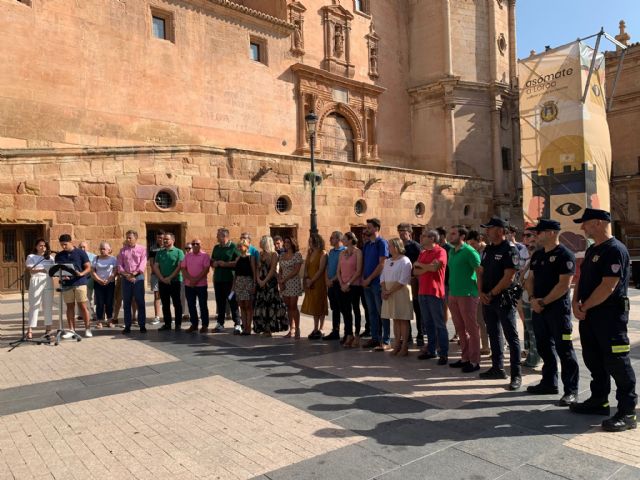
(312, 120)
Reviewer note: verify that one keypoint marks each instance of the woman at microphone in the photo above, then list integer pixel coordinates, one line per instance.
(40, 286)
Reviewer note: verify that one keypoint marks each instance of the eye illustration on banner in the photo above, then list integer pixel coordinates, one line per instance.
(568, 208)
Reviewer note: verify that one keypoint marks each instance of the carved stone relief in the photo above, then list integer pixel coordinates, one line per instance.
(373, 41)
(296, 17)
(336, 22)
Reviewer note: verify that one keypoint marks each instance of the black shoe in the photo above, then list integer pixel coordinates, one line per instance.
(458, 364)
(178, 329)
(443, 360)
(620, 422)
(332, 336)
(591, 407)
(419, 341)
(143, 329)
(541, 389)
(470, 367)
(164, 328)
(365, 334)
(567, 400)
(126, 330)
(410, 341)
(426, 356)
(515, 384)
(494, 373)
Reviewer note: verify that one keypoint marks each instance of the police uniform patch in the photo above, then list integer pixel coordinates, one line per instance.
(615, 268)
(498, 257)
(569, 265)
(515, 258)
(595, 258)
(552, 259)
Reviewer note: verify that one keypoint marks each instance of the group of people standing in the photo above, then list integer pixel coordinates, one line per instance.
(481, 284)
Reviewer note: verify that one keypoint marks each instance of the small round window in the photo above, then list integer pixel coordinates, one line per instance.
(165, 200)
(360, 207)
(283, 204)
(420, 209)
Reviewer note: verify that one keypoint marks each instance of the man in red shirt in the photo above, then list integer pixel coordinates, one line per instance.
(430, 269)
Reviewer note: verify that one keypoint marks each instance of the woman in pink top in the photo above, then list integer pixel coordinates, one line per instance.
(350, 278)
(195, 268)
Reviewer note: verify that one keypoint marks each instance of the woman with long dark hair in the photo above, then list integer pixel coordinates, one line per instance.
(40, 286)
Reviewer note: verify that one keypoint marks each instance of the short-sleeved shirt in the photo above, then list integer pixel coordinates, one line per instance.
(332, 261)
(168, 260)
(495, 260)
(225, 253)
(463, 263)
(609, 259)
(398, 270)
(77, 258)
(371, 253)
(153, 251)
(40, 263)
(104, 267)
(432, 283)
(547, 268)
(195, 263)
(412, 250)
(255, 253)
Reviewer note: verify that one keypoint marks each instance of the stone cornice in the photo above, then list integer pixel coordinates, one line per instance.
(305, 71)
(254, 13)
(37, 154)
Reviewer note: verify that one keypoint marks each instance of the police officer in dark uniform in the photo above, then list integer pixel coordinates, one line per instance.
(552, 267)
(601, 304)
(499, 263)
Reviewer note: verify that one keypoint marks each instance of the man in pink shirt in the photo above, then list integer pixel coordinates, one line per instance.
(132, 261)
(195, 268)
(430, 269)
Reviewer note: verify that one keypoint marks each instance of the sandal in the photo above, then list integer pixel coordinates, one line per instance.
(29, 335)
(99, 325)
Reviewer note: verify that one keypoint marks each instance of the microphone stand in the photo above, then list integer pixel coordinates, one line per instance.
(24, 339)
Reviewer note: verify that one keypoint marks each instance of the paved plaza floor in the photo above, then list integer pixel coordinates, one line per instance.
(218, 406)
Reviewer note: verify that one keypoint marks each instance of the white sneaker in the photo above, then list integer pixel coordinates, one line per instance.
(218, 328)
(87, 333)
(237, 330)
(155, 321)
(68, 334)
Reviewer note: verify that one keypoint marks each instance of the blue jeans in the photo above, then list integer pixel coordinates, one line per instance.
(200, 294)
(133, 290)
(373, 297)
(433, 326)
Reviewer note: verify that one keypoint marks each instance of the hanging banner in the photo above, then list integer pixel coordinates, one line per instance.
(565, 145)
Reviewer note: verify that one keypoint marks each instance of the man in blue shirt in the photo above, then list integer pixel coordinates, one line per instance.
(74, 288)
(333, 285)
(375, 252)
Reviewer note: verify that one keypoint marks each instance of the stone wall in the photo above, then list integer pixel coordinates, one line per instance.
(98, 194)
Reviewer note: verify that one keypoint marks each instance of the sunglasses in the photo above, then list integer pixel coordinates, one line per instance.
(529, 235)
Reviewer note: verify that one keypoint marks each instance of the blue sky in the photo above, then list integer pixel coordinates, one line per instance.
(556, 22)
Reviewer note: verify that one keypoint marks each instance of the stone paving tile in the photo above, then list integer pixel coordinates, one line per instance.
(206, 428)
(99, 354)
(623, 447)
(575, 465)
(426, 381)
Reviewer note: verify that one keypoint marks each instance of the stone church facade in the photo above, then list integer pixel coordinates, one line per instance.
(188, 115)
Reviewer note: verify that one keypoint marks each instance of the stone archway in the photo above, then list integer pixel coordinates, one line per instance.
(337, 139)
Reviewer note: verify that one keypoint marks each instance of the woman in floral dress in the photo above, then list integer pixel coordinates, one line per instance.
(270, 313)
(290, 283)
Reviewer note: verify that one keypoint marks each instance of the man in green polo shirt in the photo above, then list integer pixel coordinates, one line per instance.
(223, 260)
(463, 298)
(167, 268)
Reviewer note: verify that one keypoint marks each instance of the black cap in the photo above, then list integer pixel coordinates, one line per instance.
(495, 222)
(546, 224)
(594, 214)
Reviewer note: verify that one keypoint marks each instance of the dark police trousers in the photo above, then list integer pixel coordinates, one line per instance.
(605, 350)
(552, 329)
(500, 319)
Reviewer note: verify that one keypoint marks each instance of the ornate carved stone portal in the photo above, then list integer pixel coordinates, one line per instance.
(331, 95)
(336, 22)
(296, 17)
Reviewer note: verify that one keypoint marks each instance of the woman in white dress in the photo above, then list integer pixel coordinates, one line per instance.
(395, 283)
(40, 286)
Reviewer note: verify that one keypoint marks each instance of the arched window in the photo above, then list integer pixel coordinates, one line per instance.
(337, 138)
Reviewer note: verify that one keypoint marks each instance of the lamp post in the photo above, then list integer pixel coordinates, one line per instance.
(312, 120)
